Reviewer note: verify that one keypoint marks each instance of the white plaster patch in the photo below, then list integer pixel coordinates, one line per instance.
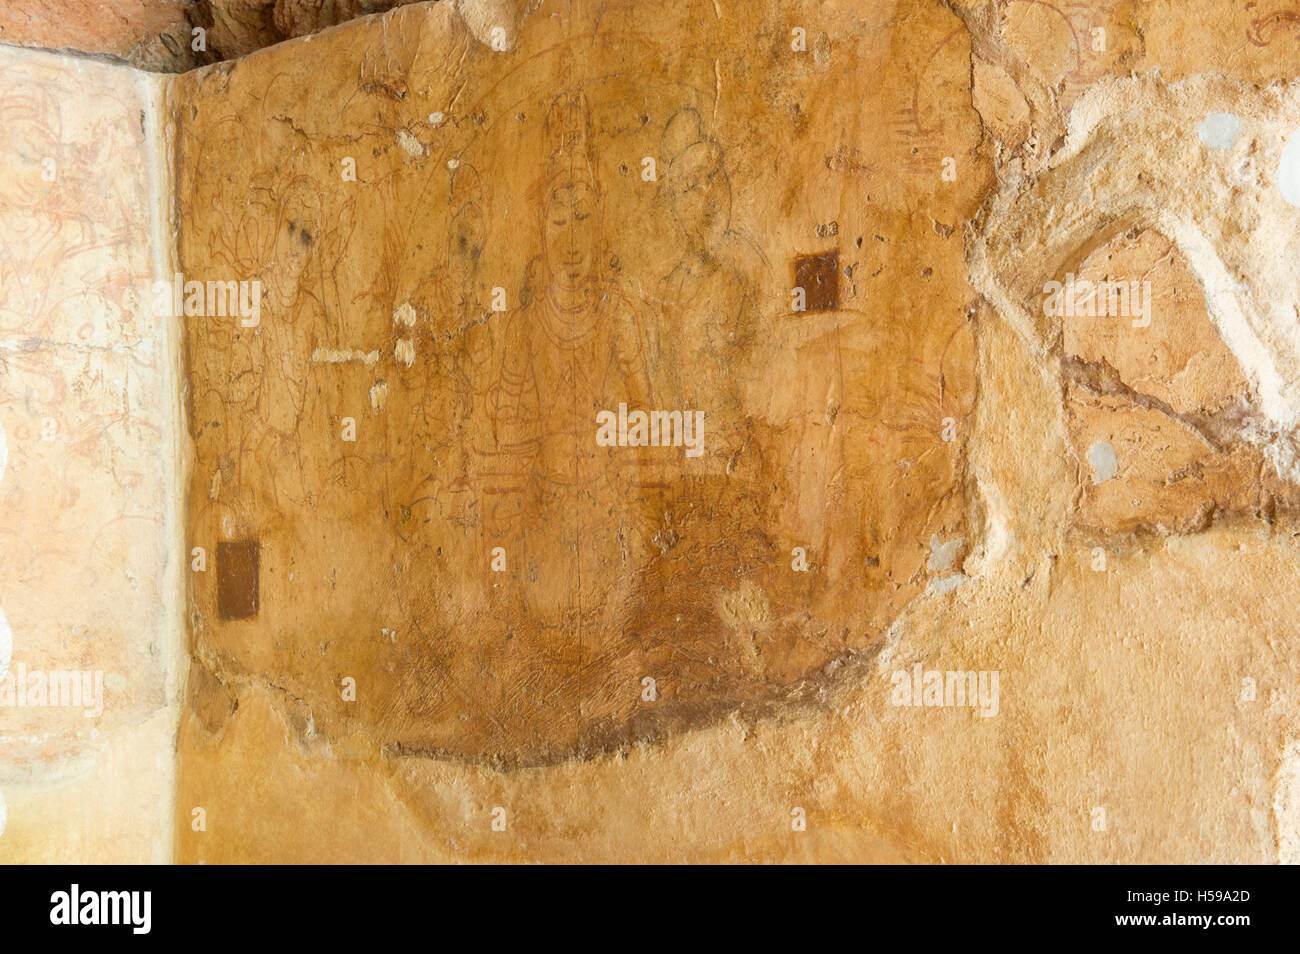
(404, 315)
(337, 356)
(482, 16)
(998, 537)
(944, 554)
(378, 395)
(1288, 171)
(404, 351)
(1220, 130)
(413, 146)
(945, 584)
(1103, 460)
(1286, 806)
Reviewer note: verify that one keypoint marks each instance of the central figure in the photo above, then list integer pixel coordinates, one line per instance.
(566, 508)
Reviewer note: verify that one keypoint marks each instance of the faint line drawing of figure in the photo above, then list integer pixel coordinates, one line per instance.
(64, 280)
(48, 283)
(79, 395)
(708, 322)
(565, 504)
(34, 237)
(708, 298)
(438, 374)
(292, 265)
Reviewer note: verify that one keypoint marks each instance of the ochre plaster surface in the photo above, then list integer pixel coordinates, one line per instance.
(429, 616)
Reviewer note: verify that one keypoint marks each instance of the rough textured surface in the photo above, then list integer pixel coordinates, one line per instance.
(619, 564)
(88, 494)
(441, 620)
(976, 489)
(149, 34)
(159, 35)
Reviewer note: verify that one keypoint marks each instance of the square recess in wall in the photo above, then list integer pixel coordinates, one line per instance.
(237, 566)
(819, 277)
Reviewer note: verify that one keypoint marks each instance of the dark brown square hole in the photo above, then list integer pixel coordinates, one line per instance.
(237, 578)
(819, 277)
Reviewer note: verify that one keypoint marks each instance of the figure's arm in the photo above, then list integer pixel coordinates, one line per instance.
(507, 462)
(639, 468)
(632, 349)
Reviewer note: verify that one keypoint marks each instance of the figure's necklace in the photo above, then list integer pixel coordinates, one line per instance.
(567, 324)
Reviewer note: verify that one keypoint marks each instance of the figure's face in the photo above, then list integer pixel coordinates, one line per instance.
(27, 150)
(464, 247)
(294, 242)
(701, 194)
(571, 235)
